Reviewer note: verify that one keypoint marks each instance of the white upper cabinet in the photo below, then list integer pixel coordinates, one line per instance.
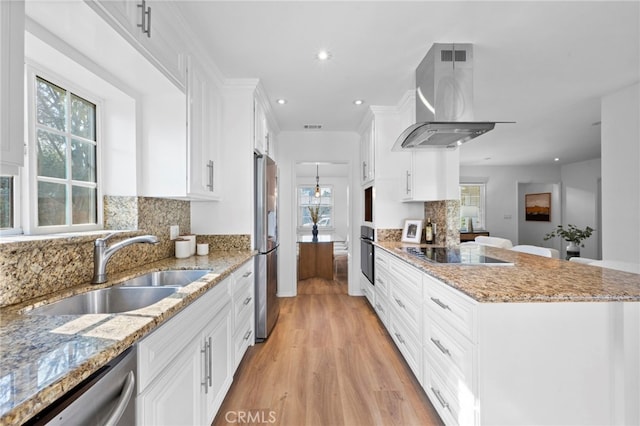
(150, 26)
(263, 126)
(431, 175)
(367, 152)
(11, 86)
(204, 109)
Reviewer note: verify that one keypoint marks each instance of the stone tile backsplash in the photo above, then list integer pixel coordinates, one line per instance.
(36, 266)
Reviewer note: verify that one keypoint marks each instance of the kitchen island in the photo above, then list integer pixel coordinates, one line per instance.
(43, 357)
(533, 341)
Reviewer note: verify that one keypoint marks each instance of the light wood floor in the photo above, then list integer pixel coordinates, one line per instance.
(328, 362)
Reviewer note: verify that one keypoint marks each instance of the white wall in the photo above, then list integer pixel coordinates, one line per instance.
(580, 207)
(502, 192)
(621, 175)
(331, 147)
(533, 232)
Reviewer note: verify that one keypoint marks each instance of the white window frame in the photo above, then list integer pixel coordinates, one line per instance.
(30, 198)
(298, 207)
(481, 222)
(17, 223)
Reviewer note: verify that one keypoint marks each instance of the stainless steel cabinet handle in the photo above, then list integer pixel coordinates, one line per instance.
(210, 167)
(440, 346)
(205, 351)
(247, 300)
(364, 170)
(378, 280)
(442, 401)
(399, 302)
(247, 335)
(148, 13)
(378, 307)
(143, 16)
(400, 339)
(439, 303)
(408, 186)
(246, 274)
(210, 362)
(123, 401)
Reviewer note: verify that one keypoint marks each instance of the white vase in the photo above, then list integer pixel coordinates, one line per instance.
(573, 250)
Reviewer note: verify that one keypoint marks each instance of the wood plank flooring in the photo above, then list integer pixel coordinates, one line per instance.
(328, 362)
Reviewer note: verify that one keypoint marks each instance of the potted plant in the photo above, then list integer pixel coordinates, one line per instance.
(314, 212)
(573, 235)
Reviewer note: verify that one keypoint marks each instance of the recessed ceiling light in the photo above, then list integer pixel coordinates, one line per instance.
(556, 159)
(358, 102)
(323, 55)
(281, 101)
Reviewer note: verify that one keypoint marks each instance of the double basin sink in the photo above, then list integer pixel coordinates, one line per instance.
(132, 294)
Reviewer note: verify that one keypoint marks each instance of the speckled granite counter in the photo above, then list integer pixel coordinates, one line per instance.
(531, 278)
(42, 357)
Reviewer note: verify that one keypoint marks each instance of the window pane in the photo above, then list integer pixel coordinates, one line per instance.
(83, 202)
(50, 105)
(6, 202)
(83, 161)
(52, 154)
(51, 204)
(83, 118)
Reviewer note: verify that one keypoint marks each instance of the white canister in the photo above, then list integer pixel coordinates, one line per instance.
(203, 249)
(183, 248)
(192, 242)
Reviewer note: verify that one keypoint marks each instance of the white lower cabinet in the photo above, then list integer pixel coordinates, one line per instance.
(513, 363)
(185, 366)
(243, 311)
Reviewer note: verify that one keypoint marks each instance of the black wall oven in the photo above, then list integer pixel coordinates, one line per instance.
(366, 252)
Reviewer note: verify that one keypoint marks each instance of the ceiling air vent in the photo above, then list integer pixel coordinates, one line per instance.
(313, 126)
(448, 55)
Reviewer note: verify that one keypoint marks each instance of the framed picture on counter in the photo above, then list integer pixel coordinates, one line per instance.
(412, 231)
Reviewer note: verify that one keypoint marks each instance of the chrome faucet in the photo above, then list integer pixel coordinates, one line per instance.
(102, 253)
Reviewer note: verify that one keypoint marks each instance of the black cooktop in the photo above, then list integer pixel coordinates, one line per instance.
(466, 255)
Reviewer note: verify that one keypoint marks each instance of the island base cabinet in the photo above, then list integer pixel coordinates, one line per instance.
(548, 363)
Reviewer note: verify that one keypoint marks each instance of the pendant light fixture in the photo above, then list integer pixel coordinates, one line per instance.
(317, 193)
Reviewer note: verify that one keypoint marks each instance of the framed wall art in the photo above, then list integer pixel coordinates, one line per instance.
(537, 207)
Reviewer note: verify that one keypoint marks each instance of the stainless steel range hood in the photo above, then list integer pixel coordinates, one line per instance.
(444, 100)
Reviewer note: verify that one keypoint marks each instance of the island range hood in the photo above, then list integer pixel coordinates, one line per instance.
(444, 100)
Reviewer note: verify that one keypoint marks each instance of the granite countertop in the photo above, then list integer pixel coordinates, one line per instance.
(531, 278)
(43, 357)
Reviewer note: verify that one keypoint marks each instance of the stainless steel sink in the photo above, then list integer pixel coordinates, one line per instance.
(176, 278)
(105, 301)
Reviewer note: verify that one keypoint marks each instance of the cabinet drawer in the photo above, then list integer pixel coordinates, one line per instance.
(456, 309)
(382, 309)
(243, 302)
(454, 351)
(407, 342)
(243, 338)
(382, 282)
(454, 407)
(408, 278)
(383, 260)
(244, 276)
(409, 308)
(367, 289)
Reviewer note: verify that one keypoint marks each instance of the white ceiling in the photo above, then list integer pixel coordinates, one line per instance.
(542, 64)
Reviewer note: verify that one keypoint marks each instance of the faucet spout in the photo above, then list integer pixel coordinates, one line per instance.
(102, 253)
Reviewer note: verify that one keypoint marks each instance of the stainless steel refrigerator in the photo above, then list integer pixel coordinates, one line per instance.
(266, 240)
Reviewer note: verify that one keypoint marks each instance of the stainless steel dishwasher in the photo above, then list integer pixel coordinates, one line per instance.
(107, 397)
